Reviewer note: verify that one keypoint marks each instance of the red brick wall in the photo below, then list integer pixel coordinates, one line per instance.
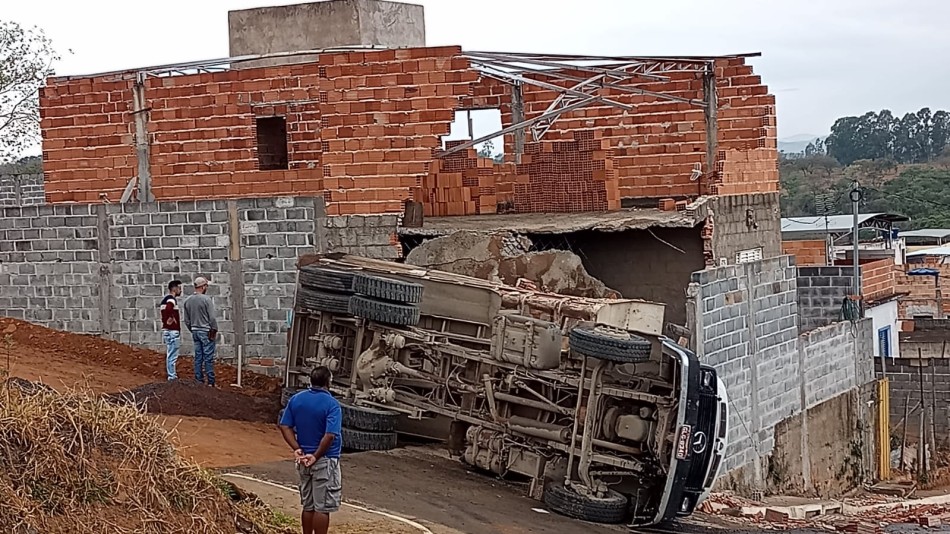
(553, 176)
(807, 252)
(362, 127)
(88, 147)
(383, 115)
(878, 279)
(920, 291)
(656, 147)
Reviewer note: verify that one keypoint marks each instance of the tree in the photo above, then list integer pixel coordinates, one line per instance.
(26, 59)
(804, 179)
(914, 138)
(815, 148)
(487, 150)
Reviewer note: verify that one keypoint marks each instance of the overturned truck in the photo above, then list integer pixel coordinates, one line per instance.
(608, 420)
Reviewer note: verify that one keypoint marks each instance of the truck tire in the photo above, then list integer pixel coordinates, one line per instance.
(384, 312)
(286, 394)
(616, 346)
(361, 440)
(314, 300)
(369, 419)
(561, 499)
(327, 279)
(387, 289)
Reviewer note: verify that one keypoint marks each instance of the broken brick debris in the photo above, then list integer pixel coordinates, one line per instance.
(553, 176)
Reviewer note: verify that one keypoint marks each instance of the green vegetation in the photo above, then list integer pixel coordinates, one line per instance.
(26, 59)
(902, 165)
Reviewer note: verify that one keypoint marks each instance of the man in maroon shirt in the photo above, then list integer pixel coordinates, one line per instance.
(171, 327)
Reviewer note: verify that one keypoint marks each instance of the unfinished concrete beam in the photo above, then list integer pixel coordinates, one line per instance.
(320, 25)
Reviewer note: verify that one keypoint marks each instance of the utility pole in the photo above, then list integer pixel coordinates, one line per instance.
(855, 200)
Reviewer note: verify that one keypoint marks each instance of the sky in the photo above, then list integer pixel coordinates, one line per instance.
(822, 59)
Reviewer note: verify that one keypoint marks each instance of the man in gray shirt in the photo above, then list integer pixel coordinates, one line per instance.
(199, 319)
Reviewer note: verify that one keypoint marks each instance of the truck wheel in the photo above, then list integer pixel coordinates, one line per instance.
(313, 300)
(369, 419)
(565, 501)
(286, 394)
(609, 344)
(384, 312)
(387, 289)
(360, 440)
(327, 279)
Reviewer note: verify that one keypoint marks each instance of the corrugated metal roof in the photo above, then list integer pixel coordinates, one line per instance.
(836, 223)
(936, 251)
(936, 233)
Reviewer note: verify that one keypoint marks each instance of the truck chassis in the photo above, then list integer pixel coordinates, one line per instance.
(608, 420)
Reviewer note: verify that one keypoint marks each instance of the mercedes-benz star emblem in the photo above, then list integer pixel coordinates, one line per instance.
(699, 442)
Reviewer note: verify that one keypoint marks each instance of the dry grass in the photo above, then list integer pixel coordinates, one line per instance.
(74, 462)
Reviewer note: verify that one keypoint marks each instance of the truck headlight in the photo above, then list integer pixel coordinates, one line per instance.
(708, 377)
(684, 506)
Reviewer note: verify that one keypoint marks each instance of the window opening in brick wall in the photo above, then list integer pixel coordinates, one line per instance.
(884, 341)
(272, 143)
(475, 123)
(748, 256)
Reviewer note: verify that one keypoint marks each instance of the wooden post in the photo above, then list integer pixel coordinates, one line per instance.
(922, 427)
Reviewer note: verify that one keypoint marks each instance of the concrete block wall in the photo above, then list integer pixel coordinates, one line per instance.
(744, 321)
(742, 222)
(746, 326)
(49, 266)
(372, 236)
(362, 126)
(906, 376)
(821, 292)
(102, 269)
(829, 366)
(21, 190)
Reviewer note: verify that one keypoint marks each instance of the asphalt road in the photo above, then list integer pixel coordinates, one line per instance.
(422, 484)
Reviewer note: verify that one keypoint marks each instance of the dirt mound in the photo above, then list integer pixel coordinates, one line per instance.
(96, 350)
(71, 462)
(189, 398)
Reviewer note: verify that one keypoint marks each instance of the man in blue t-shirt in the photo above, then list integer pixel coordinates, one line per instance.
(311, 425)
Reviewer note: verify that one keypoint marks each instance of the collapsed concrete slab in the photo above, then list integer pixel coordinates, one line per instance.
(506, 257)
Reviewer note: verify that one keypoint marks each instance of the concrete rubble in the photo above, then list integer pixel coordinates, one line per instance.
(507, 258)
(866, 514)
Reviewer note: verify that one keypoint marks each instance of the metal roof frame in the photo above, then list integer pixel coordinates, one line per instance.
(618, 73)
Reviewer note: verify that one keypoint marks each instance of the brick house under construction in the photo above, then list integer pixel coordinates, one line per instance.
(362, 127)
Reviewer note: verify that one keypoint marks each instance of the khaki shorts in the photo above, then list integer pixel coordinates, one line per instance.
(321, 486)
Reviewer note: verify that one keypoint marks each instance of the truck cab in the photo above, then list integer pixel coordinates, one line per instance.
(608, 420)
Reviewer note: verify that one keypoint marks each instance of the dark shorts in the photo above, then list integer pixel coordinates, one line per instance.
(321, 486)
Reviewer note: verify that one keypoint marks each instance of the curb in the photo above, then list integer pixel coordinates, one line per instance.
(406, 521)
